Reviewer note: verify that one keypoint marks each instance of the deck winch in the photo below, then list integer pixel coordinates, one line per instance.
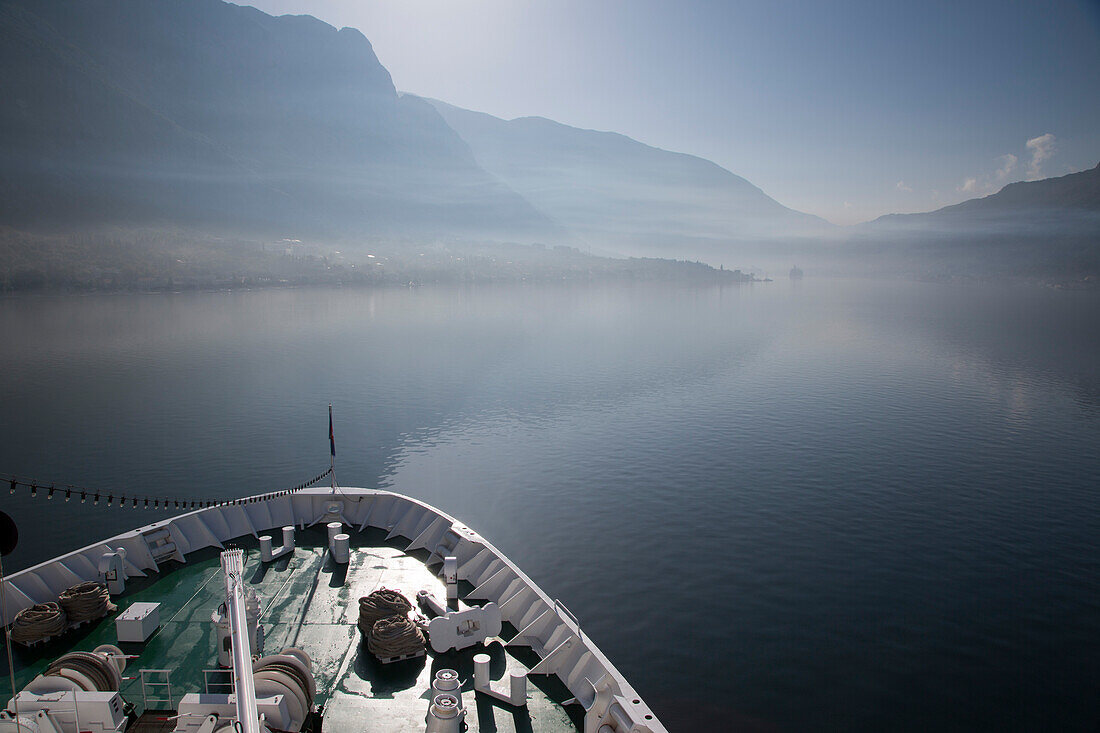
(78, 692)
(271, 693)
(446, 712)
(284, 692)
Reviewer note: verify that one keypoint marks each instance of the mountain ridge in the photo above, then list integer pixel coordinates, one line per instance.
(623, 194)
(207, 113)
(204, 115)
(1070, 192)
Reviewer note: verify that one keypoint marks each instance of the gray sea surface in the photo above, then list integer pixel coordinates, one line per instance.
(793, 506)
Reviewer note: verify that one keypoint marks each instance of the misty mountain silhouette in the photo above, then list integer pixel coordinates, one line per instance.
(1047, 229)
(1067, 204)
(205, 113)
(616, 191)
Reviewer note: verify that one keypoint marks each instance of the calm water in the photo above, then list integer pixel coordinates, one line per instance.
(800, 506)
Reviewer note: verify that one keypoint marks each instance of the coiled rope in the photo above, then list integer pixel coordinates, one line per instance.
(38, 622)
(394, 636)
(380, 604)
(86, 601)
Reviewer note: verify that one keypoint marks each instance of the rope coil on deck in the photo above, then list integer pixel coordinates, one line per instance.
(394, 636)
(380, 604)
(86, 601)
(37, 622)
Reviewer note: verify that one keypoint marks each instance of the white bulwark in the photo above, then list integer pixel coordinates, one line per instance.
(542, 623)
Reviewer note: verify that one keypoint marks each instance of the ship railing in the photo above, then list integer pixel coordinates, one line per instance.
(154, 684)
(564, 613)
(218, 681)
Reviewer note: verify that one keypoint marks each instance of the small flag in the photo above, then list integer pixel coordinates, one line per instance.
(331, 436)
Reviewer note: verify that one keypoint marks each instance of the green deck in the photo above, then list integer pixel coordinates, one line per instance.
(307, 602)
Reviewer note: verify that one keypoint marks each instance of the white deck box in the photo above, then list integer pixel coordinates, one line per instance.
(138, 622)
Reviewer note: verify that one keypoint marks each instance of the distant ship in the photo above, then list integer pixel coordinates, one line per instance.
(796, 273)
(187, 605)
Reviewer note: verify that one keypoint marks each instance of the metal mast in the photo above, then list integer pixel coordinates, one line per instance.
(247, 713)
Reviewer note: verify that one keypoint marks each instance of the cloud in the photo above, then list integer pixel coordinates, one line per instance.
(1008, 164)
(903, 187)
(1041, 148)
(983, 184)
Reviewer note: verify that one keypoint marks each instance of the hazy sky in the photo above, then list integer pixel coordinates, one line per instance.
(847, 110)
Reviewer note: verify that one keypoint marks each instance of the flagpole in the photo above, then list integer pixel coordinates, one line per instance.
(332, 450)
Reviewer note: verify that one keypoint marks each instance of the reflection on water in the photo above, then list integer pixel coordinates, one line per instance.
(817, 505)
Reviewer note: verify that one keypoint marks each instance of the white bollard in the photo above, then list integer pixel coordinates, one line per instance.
(518, 688)
(517, 682)
(341, 548)
(334, 528)
(269, 553)
(481, 672)
(266, 554)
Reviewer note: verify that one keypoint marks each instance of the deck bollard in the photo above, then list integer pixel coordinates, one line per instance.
(341, 548)
(518, 687)
(269, 553)
(517, 682)
(481, 671)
